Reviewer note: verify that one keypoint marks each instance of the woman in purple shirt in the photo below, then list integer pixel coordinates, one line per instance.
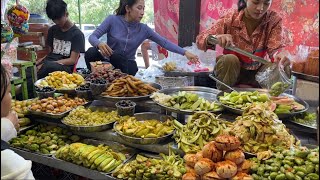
(124, 35)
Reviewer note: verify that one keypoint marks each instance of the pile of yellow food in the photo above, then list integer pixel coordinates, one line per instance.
(86, 117)
(21, 108)
(101, 157)
(57, 105)
(128, 86)
(130, 126)
(62, 80)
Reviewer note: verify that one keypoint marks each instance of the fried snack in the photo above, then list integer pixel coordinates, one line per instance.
(227, 143)
(226, 169)
(236, 156)
(129, 86)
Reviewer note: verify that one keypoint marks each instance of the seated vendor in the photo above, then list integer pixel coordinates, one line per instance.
(65, 41)
(253, 28)
(125, 33)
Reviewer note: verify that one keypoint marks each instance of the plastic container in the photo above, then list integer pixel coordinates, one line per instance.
(126, 108)
(97, 89)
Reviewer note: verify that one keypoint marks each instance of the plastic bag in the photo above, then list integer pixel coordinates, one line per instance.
(274, 78)
(300, 58)
(149, 75)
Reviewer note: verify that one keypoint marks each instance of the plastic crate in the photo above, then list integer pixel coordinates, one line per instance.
(179, 81)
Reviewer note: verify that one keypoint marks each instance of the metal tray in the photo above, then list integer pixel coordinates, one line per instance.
(96, 128)
(308, 128)
(51, 115)
(63, 91)
(209, 94)
(116, 147)
(142, 117)
(136, 98)
(281, 116)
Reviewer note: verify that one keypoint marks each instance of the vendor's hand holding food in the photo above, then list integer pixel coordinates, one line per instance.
(191, 57)
(105, 50)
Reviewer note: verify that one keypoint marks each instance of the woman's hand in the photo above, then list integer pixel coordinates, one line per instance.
(225, 40)
(105, 50)
(13, 117)
(191, 57)
(282, 59)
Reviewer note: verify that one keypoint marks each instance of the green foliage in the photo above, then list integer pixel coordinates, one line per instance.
(92, 11)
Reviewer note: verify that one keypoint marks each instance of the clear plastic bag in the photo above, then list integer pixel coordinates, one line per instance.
(274, 78)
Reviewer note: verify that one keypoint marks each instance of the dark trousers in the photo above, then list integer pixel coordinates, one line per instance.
(119, 61)
(51, 66)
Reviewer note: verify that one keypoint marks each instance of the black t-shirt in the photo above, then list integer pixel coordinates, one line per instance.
(62, 43)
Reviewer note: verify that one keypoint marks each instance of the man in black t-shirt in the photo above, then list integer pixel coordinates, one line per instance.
(65, 41)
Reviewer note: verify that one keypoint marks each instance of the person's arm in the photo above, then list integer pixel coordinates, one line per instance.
(145, 46)
(275, 40)
(101, 30)
(14, 166)
(218, 28)
(77, 46)
(49, 45)
(163, 42)
(8, 131)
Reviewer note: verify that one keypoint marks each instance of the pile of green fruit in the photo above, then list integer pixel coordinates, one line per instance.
(278, 88)
(130, 126)
(298, 164)
(259, 129)
(186, 101)
(169, 167)
(44, 139)
(99, 157)
(82, 116)
(201, 128)
(307, 118)
(242, 100)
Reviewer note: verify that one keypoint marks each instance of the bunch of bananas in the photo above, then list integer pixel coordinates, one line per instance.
(94, 157)
(62, 80)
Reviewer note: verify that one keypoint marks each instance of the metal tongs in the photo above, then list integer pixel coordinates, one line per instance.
(213, 40)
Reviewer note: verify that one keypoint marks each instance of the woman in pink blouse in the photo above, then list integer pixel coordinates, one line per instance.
(254, 28)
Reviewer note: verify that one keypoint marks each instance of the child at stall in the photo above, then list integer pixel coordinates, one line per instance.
(13, 166)
(65, 41)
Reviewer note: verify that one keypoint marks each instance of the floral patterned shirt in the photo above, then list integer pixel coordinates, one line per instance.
(265, 40)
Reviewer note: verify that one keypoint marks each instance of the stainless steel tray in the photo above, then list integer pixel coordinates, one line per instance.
(63, 91)
(51, 115)
(116, 147)
(136, 98)
(281, 116)
(96, 128)
(304, 127)
(209, 94)
(142, 117)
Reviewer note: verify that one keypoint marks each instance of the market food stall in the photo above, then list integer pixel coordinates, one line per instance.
(88, 137)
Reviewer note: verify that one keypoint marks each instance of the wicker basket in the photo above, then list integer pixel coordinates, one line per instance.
(180, 81)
